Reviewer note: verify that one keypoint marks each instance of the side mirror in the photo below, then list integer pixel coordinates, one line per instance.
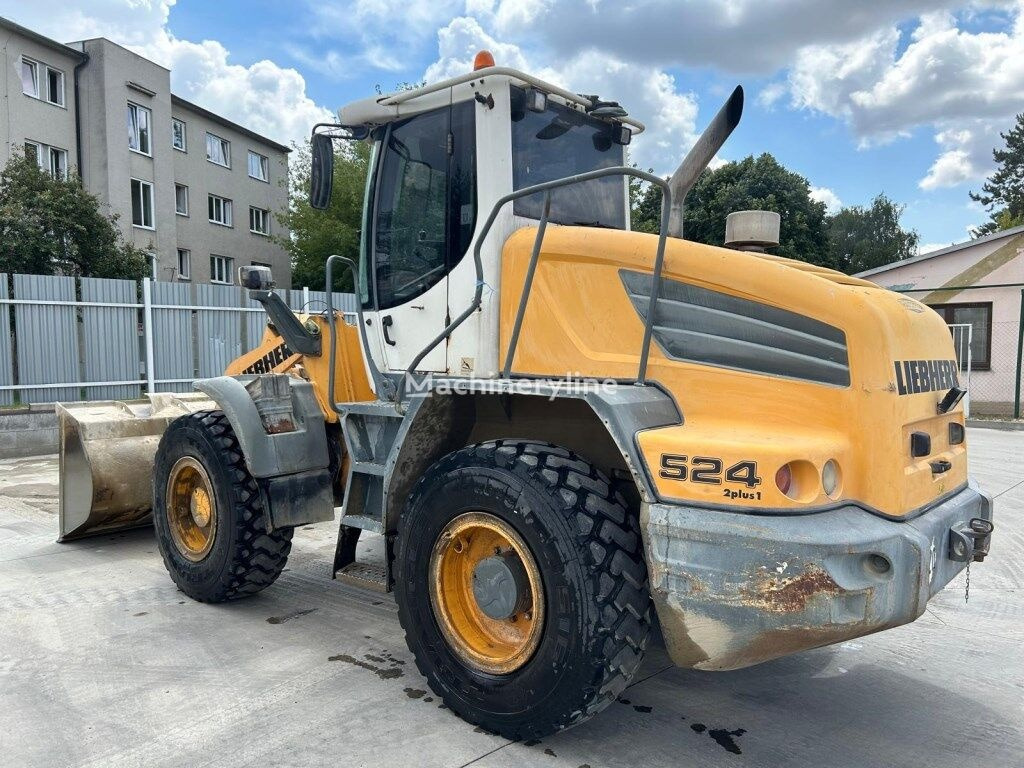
(321, 176)
(256, 278)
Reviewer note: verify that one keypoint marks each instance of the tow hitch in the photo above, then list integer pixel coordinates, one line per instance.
(970, 541)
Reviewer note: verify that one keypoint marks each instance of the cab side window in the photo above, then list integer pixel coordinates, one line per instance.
(410, 223)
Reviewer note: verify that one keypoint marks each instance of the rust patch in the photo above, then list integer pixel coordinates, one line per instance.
(774, 593)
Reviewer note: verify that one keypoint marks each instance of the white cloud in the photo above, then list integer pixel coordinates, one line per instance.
(964, 85)
(828, 197)
(771, 94)
(458, 43)
(949, 169)
(371, 35)
(929, 247)
(750, 36)
(264, 97)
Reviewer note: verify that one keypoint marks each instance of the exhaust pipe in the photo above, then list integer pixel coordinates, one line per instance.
(702, 152)
(107, 450)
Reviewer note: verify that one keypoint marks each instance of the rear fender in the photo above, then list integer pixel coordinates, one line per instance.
(291, 468)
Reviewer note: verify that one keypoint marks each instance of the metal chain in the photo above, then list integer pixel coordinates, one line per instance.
(967, 585)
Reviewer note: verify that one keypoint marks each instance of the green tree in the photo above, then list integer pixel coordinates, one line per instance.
(759, 183)
(1003, 193)
(644, 204)
(861, 238)
(315, 235)
(55, 227)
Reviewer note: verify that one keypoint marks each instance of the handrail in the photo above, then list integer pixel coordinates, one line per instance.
(382, 385)
(618, 170)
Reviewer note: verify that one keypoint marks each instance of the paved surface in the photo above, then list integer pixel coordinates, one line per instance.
(104, 663)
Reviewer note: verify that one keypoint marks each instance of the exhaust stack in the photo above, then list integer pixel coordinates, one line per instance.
(697, 159)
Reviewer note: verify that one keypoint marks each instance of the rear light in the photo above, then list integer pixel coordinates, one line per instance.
(920, 444)
(956, 433)
(799, 481)
(831, 478)
(784, 479)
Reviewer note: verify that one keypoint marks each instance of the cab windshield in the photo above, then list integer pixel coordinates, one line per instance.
(559, 142)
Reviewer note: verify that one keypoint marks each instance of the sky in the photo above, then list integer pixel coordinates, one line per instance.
(905, 97)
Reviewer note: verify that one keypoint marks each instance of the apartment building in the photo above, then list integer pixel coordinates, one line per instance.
(196, 191)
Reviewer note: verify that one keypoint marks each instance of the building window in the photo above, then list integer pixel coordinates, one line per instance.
(138, 129)
(30, 78)
(221, 269)
(218, 150)
(55, 86)
(220, 210)
(184, 264)
(979, 316)
(259, 221)
(181, 199)
(142, 204)
(52, 160)
(58, 163)
(259, 167)
(178, 138)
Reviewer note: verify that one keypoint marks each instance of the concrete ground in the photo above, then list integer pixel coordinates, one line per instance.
(104, 663)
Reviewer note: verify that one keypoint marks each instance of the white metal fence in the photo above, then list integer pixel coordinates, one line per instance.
(68, 339)
(962, 344)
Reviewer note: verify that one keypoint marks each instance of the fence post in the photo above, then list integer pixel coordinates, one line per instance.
(147, 326)
(1020, 349)
(305, 297)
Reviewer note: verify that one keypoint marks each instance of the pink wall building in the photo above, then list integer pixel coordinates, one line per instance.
(979, 283)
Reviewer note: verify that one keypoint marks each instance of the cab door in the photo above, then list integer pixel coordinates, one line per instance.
(413, 246)
(424, 214)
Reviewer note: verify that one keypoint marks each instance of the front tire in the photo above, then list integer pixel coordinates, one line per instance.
(209, 515)
(534, 507)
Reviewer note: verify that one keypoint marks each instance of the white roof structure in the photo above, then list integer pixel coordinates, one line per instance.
(942, 251)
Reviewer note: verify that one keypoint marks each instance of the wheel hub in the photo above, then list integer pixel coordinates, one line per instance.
(486, 592)
(190, 508)
(201, 507)
(501, 586)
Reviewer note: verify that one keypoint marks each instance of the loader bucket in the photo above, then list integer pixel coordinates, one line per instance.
(107, 451)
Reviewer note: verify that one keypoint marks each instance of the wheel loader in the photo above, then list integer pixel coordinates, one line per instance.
(567, 432)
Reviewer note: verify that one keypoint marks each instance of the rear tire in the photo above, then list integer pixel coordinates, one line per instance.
(586, 546)
(242, 558)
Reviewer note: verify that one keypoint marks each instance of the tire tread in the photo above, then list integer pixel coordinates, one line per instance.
(608, 542)
(259, 556)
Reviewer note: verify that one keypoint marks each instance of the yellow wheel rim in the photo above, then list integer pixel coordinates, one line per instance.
(191, 509)
(486, 592)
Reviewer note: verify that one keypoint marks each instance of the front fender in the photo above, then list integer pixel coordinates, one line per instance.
(291, 468)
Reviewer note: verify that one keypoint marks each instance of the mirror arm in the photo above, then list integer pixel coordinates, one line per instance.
(352, 132)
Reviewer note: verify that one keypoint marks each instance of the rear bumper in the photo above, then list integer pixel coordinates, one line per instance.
(732, 590)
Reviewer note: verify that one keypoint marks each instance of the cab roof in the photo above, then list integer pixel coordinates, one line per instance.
(378, 110)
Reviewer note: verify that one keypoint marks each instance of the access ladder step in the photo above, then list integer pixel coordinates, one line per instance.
(366, 575)
(369, 468)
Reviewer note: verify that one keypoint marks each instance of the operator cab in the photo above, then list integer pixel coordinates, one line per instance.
(442, 156)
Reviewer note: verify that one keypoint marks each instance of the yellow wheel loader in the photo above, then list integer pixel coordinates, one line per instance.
(562, 428)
